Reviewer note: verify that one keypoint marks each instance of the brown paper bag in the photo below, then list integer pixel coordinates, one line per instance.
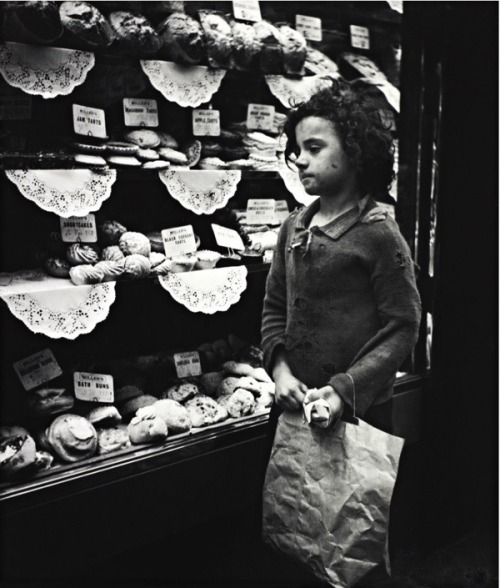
(327, 494)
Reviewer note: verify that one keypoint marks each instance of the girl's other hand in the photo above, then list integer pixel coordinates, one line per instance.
(327, 393)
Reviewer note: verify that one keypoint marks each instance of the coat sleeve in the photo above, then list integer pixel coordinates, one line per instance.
(399, 310)
(274, 314)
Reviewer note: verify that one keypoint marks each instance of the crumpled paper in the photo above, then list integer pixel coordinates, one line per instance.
(327, 495)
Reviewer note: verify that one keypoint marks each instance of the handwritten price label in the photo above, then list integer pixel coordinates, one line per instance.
(37, 369)
(227, 238)
(89, 121)
(79, 229)
(140, 112)
(187, 364)
(93, 387)
(247, 10)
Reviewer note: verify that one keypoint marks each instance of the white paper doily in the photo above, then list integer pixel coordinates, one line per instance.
(207, 291)
(44, 71)
(187, 85)
(291, 91)
(66, 192)
(201, 191)
(63, 313)
(293, 184)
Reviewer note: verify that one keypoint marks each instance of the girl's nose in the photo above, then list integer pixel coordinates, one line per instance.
(301, 162)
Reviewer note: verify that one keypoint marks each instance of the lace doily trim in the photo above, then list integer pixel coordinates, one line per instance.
(67, 323)
(44, 71)
(207, 291)
(293, 184)
(188, 86)
(291, 92)
(74, 192)
(201, 191)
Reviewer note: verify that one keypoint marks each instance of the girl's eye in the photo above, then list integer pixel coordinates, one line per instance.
(314, 149)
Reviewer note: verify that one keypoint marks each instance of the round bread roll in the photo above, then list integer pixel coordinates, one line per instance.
(112, 439)
(218, 38)
(147, 429)
(112, 253)
(134, 34)
(245, 46)
(211, 381)
(175, 415)
(112, 270)
(156, 259)
(12, 431)
(239, 403)
(16, 454)
(181, 392)
(72, 437)
(294, 48)
(144, 138)
(127, 392)
(57, 267)
(109, 232)
(137, 266)
(85, 27)
(236, 368)
(228, 386)
(130, 407)
(134, 243)
(104, 416)
(80, 254)
(50, 401)
(86, 274)
(204, 411)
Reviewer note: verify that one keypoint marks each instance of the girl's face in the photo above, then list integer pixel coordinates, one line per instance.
(324, 168)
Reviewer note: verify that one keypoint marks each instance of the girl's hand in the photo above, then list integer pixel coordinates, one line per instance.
(290, 392)
(334, 401)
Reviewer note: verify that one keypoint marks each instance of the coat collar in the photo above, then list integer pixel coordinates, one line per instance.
(336, 228)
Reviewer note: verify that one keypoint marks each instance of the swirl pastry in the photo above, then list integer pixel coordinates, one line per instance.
(79, 254)
(182, 38)
(240, 403)
(57, 267)
(134, 243)
(82, 275)
(16, 454)
(112, 270)
(112, 253)
(137, 266)
(109, 232)
(72, 437)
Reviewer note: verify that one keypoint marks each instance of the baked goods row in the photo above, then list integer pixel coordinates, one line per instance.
(235, 148)
(204, 37)
(150, 405)
(120, 253)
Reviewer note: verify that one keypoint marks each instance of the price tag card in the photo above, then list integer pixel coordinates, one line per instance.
(206, 123)
(227, 238)
(14, 104)
(179, 240)
(360, 37)
(187, 364)
(140, 112)
(261, 211)
(260, 117)
(37, 369)
(281, 211)
(89, 121)
(309, 26)
(247, 10)
(81, 229)
(93, 387)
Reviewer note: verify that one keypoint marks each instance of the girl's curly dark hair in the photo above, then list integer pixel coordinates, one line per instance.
(355, 114)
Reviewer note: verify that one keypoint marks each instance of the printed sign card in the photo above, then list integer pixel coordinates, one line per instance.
(261, 211)
(179, 240)
(227, 238)
(140, 112)
(187, 364)
(81, 229)
(260, 117)
(89, 121)
(360, 37)
(93, 387)
(247, 10)
(37, 369)
(309, 26)
(206, 123)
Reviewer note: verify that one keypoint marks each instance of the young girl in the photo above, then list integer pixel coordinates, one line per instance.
(341, 310)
